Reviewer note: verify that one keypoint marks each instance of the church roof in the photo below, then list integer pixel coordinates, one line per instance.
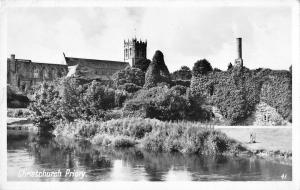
(93, 68)
(71, 61)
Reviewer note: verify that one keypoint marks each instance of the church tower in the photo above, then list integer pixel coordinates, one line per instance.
(134, 51)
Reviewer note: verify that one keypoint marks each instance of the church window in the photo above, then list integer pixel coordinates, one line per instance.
(53, 73)
(35, 72)
(59, 75)
(49, 74)
(44, 73)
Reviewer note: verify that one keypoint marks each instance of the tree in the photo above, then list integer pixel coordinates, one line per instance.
(142, 64)
(201, 67)
(46, 107)
(184, 73)
(157, 71)
(68, 100)
(129, 75)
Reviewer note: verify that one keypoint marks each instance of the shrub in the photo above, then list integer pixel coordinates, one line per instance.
(155, 135)
(184, 73)
(216, 142)
(157, 71)
(68, 100)
(178, 89)
(154, 142)
(164, 104)
(187, 138)
(98, 139)
(185, 83)
(120, 97)
(112, 114)
(161, 103)
(142, 64)
(133, 127)
(129, 75)
(89, 101)
(201, 67)
(121, 141)
(88, 130)
(130, 87)
(46, 107)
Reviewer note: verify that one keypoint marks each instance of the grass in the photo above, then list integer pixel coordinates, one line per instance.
(152, 134)
(266, 138)
(18, 112)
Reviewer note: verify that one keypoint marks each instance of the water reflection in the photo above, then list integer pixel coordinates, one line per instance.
(132, 164)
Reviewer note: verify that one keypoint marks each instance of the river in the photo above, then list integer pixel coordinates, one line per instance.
(32, 153)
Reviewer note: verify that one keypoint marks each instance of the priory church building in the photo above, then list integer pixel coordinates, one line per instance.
(24, 73)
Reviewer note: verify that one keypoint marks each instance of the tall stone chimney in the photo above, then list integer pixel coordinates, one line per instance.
(239, 47)
(13, 62)
(239, 60)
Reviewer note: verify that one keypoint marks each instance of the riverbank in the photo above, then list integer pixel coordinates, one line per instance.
(19, 127)
(152, 134)
(17, 121)
(185, 137)
(270, 143)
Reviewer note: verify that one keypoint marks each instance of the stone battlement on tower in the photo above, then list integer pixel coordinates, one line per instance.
(134, 41)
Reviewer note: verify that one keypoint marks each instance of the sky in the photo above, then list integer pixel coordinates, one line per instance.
(183, 34)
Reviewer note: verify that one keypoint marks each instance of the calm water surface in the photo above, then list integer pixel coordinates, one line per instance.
(132, 164)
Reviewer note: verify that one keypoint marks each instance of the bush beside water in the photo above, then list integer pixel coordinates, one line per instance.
(152, 134)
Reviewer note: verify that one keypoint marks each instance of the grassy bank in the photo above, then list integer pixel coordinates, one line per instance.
(152, 134)
(270, 139)
(18, 117)
(18, 112)
(270, 143)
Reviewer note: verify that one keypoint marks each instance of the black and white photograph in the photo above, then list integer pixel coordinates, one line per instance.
(149, 93)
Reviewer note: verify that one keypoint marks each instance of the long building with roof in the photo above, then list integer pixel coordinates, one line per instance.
(24, 73)
(91, 69)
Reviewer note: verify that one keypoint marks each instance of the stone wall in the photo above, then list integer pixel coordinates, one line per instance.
(25, 73)
(265, 115)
